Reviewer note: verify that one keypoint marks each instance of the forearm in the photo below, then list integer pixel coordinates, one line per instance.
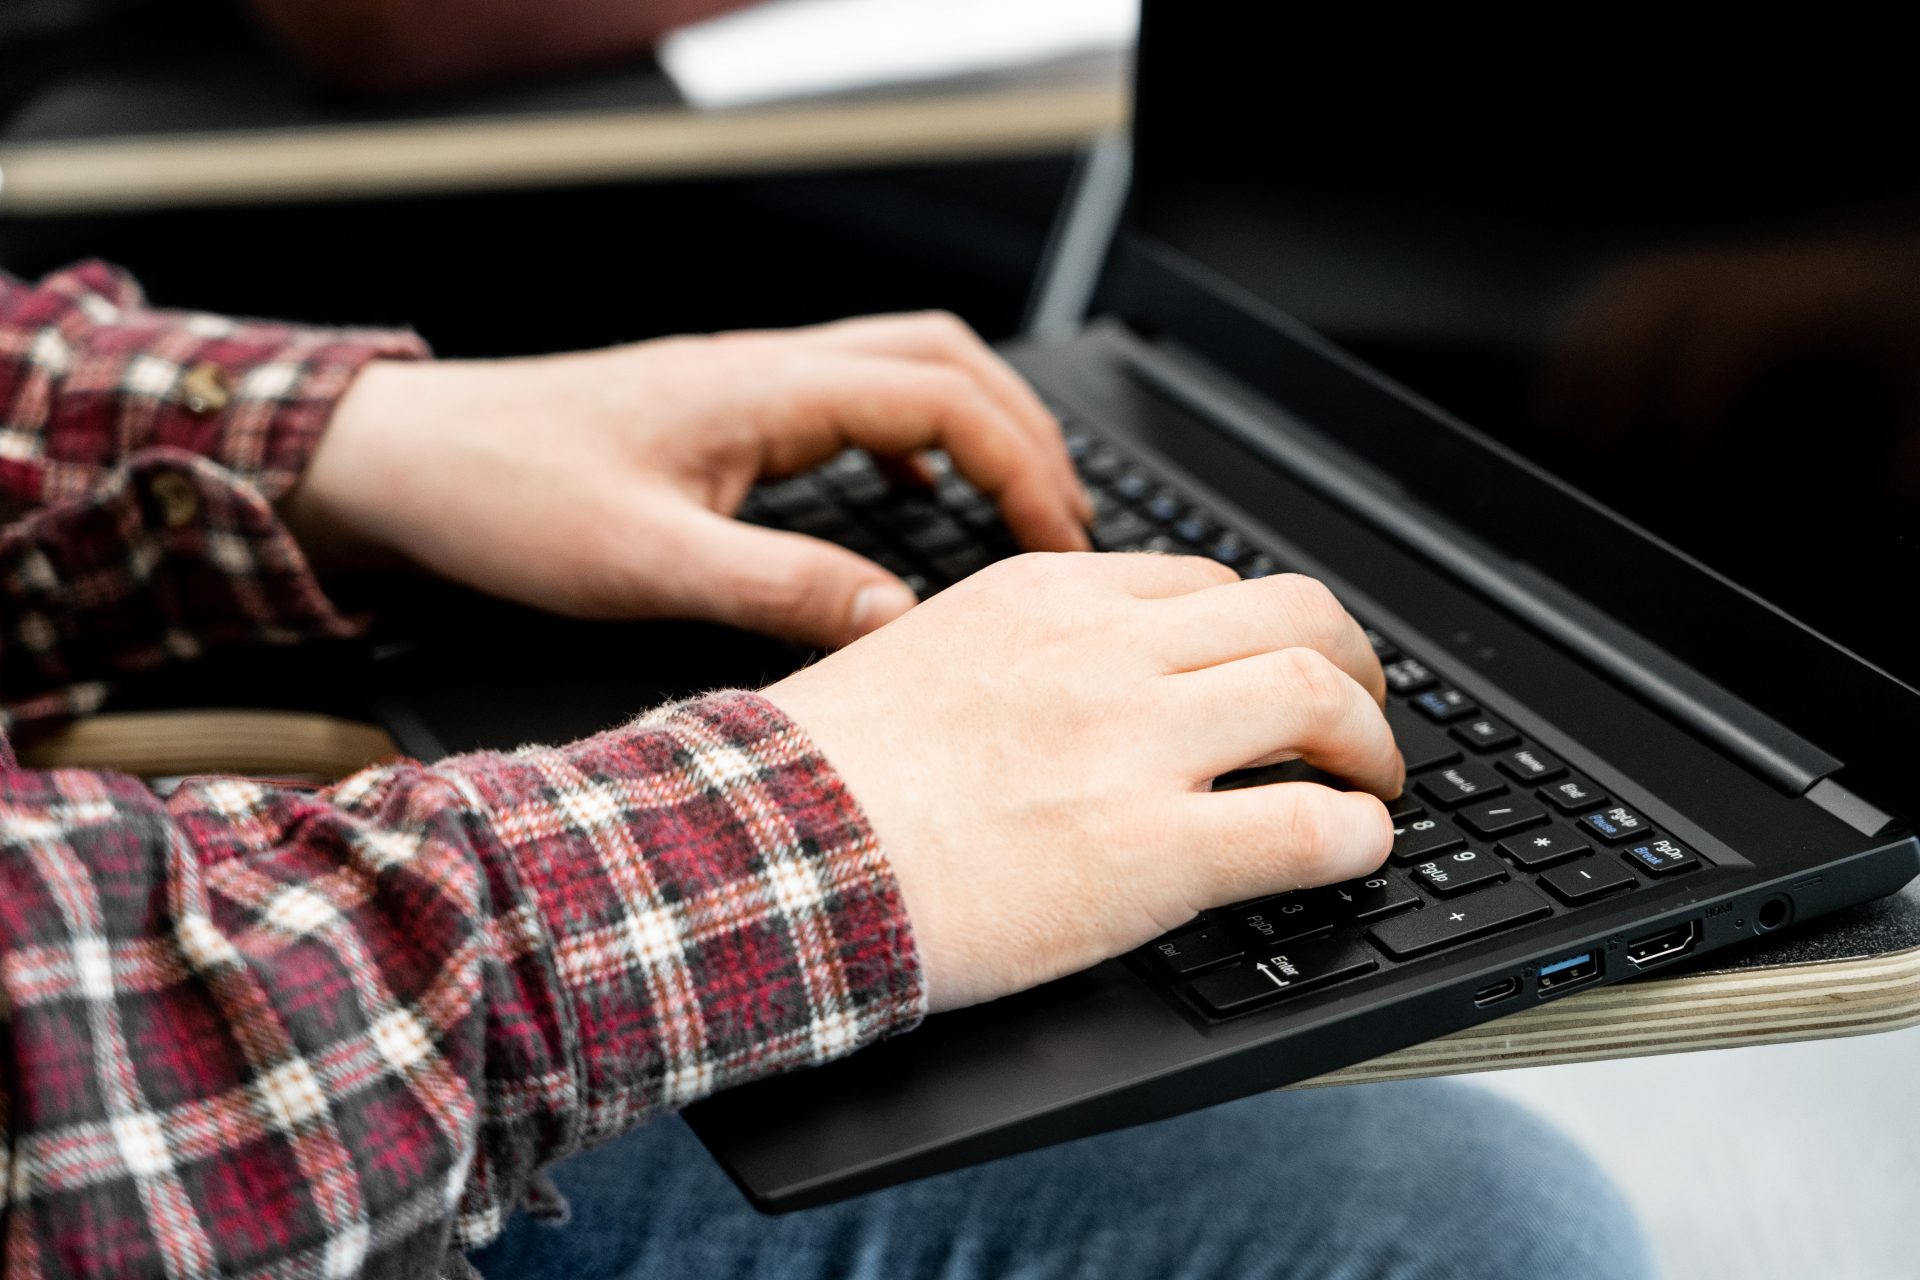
(411, 991)
(376, 46)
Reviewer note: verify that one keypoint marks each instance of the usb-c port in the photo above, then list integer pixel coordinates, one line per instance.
(1494, 993)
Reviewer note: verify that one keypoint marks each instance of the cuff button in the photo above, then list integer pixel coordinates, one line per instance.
(205, 390)
(175, 496)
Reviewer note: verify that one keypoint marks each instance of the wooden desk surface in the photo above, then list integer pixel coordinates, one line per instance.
(254, 140)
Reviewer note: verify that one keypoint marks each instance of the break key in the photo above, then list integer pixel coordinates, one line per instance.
(1446, 923)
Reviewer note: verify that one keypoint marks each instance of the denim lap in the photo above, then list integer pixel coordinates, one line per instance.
(1425, 1179)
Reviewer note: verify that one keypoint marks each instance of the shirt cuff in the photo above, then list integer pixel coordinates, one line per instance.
(739, 919)
(252, 396)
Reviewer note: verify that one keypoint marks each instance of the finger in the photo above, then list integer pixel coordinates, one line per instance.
(941, 337)
(1263, 840)
(887, 405)
(1288, 610)
(1291, 704)
(780, 583)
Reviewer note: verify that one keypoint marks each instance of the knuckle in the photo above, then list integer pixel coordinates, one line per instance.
(1311, 682)
(1311, 605)
(1306, 833)
(1028, 570)
(953, 389)
(945, 324)
(1213, 571)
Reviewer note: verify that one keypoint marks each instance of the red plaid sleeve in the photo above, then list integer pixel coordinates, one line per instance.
(255, 1031)
(140, 454)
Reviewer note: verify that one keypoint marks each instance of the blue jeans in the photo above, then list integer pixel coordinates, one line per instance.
(1424, 1179)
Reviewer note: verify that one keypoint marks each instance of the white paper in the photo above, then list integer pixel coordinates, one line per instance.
(798, 48)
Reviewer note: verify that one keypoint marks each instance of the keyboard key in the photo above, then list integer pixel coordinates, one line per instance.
(1661, 857)
(1484, 733)
(1228, 549)
(1372, 898)
(1101, 464)
(1497, 817)
(1422, 838)
(1383, 648)
(1131, 485)
(1447, 923)
(1409, 675)
(1460, 872)
(1442, 705)
(1165, 506)
(1587, 879)
(1421, 745)
(938, 538)
(1544, 847)
(1405, 809)
(1195, 528)
(1616, 824)
(1458, 784)
(1261, 566)
(1573, 794)
(1187, 954)
(1271, 921)
(963, 563)
(1279, 974)
(1529, 764)
(1122, 529)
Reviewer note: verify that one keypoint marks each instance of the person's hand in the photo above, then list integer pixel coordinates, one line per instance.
(1034, 748)
(601, 484)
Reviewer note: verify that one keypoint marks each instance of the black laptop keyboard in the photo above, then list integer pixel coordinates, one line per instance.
(1492, 832)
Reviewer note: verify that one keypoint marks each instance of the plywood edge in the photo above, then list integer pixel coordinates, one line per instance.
(1673, 1015)
(171, 743)
(333, 162)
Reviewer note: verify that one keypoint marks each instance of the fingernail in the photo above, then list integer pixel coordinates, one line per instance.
(879, 603)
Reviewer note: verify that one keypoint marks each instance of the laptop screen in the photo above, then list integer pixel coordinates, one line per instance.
(1687, 283)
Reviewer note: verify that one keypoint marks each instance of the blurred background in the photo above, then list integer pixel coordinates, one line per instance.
(513, 176)
(916, 157)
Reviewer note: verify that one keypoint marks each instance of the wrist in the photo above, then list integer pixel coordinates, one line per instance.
(334, 510)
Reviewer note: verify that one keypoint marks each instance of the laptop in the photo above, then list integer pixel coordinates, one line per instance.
(1585, 403)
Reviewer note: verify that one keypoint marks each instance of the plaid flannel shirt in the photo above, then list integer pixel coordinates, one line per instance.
(257, 1031)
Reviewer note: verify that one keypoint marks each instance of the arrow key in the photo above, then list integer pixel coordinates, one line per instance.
(1371, 897)
(1280, 973)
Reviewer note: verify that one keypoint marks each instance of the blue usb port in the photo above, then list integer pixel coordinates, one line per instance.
(1563, 975)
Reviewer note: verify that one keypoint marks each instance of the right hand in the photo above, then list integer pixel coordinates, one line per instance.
(1034, 748)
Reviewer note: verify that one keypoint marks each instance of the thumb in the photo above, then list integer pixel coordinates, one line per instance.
(785, 584)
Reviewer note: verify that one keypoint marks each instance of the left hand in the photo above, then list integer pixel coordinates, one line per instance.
(602, 484)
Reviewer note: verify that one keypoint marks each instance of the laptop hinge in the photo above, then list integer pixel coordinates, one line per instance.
(1771, 750)
(1855, 811)
(1080, 240)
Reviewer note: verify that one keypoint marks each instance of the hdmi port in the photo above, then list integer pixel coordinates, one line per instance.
(1665, 945)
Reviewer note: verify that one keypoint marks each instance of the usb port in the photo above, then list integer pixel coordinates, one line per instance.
(1563, 975)
(1665, 945)
(1495, 992)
